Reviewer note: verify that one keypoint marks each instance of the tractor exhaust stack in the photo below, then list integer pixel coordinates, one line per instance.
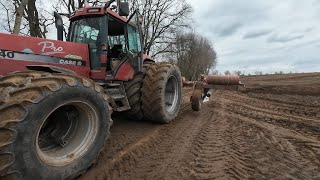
(59, 25)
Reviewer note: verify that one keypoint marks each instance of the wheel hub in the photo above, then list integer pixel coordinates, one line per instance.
(171, 94)
(67, 133)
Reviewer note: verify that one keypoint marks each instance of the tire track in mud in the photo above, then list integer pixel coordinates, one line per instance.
(288, 99)
(275, 107)
(167, 159)
(278, 151)
(303, 125)
(219, 152)
(132, 142)
(199, 145)
(207, 148)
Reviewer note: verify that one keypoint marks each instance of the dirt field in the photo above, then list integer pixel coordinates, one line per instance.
(271, 130)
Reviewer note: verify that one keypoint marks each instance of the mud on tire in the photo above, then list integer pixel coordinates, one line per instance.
(161, 92)
(52, 126)
(133, 91)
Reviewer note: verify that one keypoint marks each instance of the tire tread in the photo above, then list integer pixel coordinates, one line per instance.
(152, 97)
(21, 89)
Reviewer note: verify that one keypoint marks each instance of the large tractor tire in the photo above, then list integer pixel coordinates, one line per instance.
(52, 126)
(161, 92)
(133, 91)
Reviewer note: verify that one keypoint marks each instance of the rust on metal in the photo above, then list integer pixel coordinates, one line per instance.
(210, 82)
(223, 80)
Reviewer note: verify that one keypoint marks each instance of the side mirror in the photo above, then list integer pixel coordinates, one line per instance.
(124, 9)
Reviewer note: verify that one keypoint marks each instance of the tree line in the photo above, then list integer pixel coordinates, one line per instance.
(194, 54)
(243, 73)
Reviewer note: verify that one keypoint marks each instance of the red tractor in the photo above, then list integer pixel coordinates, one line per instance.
(56, 98)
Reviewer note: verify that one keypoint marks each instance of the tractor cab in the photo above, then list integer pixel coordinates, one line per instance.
(114, 42)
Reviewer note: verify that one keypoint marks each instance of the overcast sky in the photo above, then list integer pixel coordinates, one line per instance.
(261, 35)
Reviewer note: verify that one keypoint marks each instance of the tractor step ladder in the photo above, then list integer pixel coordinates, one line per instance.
(119, 100)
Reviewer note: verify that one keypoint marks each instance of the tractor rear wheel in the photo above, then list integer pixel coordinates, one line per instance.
(196, 100)
(161, 92)
(52, 126)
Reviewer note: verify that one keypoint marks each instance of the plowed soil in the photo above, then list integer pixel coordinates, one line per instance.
(270, 130)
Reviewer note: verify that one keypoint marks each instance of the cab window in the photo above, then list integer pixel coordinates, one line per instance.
(116, 38)
(134, 39)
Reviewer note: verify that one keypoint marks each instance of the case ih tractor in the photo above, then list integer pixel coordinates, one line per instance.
(56, 98)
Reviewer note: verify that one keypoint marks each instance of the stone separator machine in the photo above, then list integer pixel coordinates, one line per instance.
(207, 85)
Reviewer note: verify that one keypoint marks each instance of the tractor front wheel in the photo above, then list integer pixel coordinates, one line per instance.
(52, 126)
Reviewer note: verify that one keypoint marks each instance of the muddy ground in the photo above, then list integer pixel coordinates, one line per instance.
(270, 130)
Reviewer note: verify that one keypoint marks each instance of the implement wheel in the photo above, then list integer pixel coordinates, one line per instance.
(196, 100)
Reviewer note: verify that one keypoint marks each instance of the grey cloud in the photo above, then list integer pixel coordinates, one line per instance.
(276, 38)
(309, 62)
(225, 30)
(309, 43)
(309, 29)
(252, 61)
(316, 2)
(255, 34)
(228, 16)
(311, 65)
(241, 10)
(239, 30)
(233, 52)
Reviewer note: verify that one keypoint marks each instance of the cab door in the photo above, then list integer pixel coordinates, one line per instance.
(133, 64)
(135, 45)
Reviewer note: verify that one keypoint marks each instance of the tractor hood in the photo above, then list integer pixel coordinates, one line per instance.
(19, 52)
(22, 45)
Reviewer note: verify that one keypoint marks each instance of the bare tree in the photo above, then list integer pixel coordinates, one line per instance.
(227, 72)
(7, 15)
(72, 5)
(194, 55)
(238, 73)
(258, 73)
(32, 18)
(161, 20)
(19, 14)
(215, 72)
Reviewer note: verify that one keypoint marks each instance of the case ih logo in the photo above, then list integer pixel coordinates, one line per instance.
(48, 48)
(70, 62)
